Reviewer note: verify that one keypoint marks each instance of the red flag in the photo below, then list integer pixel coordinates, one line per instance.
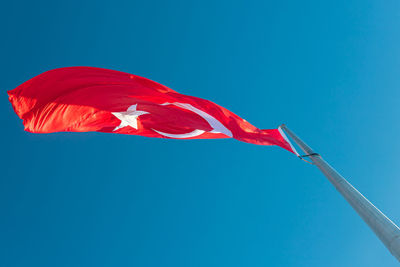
(81, 99)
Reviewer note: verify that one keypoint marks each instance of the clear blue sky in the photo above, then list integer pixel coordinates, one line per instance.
(330, 71)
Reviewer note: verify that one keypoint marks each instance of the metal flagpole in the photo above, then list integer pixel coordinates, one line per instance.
(383, 227)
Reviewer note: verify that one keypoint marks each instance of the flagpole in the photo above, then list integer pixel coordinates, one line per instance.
(383, 227)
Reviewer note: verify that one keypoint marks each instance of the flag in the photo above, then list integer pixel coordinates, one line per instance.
(83, 99)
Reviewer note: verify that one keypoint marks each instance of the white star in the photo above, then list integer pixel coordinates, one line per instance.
(129, 117)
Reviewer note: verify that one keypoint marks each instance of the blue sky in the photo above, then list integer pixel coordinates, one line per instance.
(330, 71)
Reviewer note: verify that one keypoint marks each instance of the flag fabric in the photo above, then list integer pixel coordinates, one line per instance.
(83, 99)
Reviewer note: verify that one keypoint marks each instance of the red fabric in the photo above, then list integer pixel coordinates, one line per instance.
(81, 99)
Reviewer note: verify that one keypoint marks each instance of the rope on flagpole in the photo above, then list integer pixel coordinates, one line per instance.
(308, 155)
(301, 157)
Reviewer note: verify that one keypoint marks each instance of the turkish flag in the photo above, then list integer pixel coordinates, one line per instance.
(82, 99)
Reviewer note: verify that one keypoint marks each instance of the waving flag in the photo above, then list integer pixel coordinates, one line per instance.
(82, 99)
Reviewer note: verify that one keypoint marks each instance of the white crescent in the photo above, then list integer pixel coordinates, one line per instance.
(217, 126)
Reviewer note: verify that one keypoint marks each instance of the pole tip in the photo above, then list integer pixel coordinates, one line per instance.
(282, 125)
